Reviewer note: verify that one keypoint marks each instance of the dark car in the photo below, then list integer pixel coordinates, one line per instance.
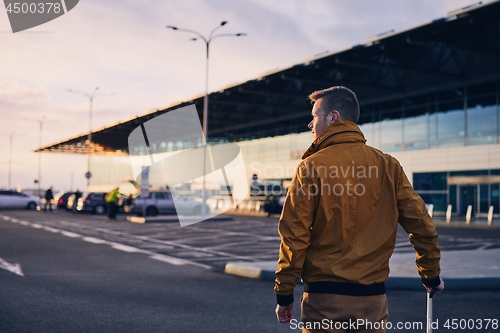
(94, 203)
(62, 201)
(71, 199)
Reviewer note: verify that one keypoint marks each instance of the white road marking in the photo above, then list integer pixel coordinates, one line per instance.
(154, 240)
(485, 246)
(54, 230)
(94, 240)
(174, 261)
(14, 268)
(124, 248)
(70, 234)
(228, 245)
(236, 233)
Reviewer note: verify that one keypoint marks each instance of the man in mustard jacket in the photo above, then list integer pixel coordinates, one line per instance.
(339, 222)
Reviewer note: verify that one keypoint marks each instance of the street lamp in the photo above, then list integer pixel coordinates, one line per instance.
(207, 41)
(40, 122)
(11, 137)
(91, 97)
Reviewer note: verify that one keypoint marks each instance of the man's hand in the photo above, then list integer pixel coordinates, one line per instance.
(437, 289)
(284, 313)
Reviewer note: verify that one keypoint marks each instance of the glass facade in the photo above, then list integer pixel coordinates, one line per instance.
(477, 188)
(391, 134)
(416, 134)
(276, 149)
(432, 188)
(456, 117)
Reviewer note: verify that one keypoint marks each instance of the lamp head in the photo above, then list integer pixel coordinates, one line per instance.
(223, 23)
(171, 27)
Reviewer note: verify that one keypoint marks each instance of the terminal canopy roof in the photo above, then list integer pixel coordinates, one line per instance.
(458, 50)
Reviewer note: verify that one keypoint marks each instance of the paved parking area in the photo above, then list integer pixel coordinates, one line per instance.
(209, 244)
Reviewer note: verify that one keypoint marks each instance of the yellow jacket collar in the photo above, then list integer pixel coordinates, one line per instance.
(341, 132)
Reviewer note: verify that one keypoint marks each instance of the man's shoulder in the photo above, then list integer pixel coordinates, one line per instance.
(388, 157)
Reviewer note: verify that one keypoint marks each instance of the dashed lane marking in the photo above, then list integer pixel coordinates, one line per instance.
(16, 268)
(159, 241)
(13, 268)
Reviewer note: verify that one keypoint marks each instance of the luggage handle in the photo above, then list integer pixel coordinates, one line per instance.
(428, 323)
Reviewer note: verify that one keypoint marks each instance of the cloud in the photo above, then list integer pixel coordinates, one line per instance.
(14, 94)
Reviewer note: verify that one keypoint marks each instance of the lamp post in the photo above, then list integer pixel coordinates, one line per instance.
(207, 41)
(11, 138)
(91, 97)
(40, 122)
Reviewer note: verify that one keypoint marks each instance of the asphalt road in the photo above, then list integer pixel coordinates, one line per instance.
(80, 276)
(214, 243)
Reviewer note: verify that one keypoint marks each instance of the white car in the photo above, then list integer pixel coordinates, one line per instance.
(163, 203)
(14, 199)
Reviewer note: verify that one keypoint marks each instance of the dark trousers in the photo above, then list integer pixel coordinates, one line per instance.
(112, 208)
(47, 203)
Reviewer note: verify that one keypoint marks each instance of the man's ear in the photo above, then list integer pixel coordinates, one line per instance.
(335, 116)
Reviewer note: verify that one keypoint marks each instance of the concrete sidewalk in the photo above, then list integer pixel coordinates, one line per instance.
(461, 270)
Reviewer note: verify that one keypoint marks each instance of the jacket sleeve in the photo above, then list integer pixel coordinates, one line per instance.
(294, 229)
(413, 217)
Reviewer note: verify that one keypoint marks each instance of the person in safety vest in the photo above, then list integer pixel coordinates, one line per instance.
(112, 200)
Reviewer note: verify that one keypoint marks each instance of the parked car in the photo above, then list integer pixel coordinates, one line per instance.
(62, 199)
(163, 203)
(71, 200)
(14, 199)
(93, 202)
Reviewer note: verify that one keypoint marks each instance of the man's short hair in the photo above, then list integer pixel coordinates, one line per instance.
(338, 98)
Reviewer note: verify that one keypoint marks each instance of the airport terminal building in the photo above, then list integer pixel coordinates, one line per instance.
(429, 96)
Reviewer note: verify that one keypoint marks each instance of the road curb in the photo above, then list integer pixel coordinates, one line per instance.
(394, 282)
(464, 225)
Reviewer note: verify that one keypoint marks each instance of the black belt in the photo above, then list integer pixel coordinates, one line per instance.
(352, 289)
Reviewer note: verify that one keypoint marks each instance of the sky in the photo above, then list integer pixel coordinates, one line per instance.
(123, 48)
